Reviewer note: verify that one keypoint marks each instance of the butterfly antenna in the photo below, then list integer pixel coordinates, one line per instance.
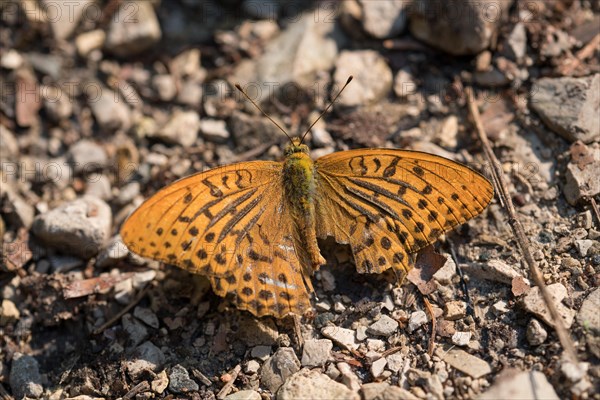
(238, 87)
(327, 108)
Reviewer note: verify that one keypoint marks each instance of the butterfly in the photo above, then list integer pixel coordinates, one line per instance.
(252, 227)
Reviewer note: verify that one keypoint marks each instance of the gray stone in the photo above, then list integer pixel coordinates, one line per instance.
(462, 28)
(214, 130)
(10, 147)
(589, 313)
(98, 185)
(145, 357)
(385, 391)
(533, 302)
(180, 381)
(305, 48)
(569, 106)
(342, 336)
(164, 85)
(514, 384)
(109, 109)
(307, 384)
(79, 227)
(136, 331)
(384, 19)
(25, 379)
(377, 367)
(244, 395)
(131, 36)
(114, 252)
(515, 46)
(372, 77)
(583, 246)
(316, 352)
(385, 326)
(278, 368)
(147, 316)
(89, 41)
(87, 156)
(64, 16)
(582, 177)
(416, 319)
(57, 104)
(473, 366)
(9, 313)
(181, 129)
(261, 352)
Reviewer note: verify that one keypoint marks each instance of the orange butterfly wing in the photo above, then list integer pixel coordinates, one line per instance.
(388, 203)
(232, 225)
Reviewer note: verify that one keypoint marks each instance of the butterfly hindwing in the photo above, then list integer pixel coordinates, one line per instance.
(386, 203)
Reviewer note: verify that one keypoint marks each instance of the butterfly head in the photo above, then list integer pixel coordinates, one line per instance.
(295, 147)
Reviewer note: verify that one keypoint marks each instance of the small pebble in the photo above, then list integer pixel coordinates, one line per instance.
(180, 381)
(416, 319)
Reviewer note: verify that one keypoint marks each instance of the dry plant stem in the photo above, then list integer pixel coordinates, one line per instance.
(141, 387)
(595, 209)
(298, 331)
(125, 309)
(586, 52)
(429, 309)
(227, 388)
(517, 228)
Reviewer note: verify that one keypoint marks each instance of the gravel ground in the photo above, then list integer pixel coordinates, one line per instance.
(104, 102)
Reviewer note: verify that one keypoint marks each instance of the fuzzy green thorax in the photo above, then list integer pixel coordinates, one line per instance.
(299, 177)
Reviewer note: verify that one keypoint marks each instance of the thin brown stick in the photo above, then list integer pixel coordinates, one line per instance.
(125, 309)
(586, 52)
(298, 331)
(227, 388)
(517, 228)
(429, 309)
(141, 387)
(595, 209)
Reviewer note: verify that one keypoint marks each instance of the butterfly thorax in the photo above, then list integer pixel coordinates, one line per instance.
(299, 178)
(299, 184)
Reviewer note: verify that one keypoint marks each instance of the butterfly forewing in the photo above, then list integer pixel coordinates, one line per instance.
(386, 203)
(230, 224)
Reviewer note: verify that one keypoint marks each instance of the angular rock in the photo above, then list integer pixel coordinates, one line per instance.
(25, 378)
(136, 331)
(459, 27)
(244, 395)
(385, 391)
(109, 109)
(79, 227)
(533, 302)
(569, 106)
(454, 310)
(112, 253)
(180, 381)
(147, 316)
(214, 130)
(342, 336)
(145, 357)
(308, 384)
(89, 41)
(589, 313)
(130, 36)
(582, 173)
(416, 319)
(87, 156)
(377, 367)
(307, 46)
(316, 352)
(372, 77)
(64, 16)
(385, 326)
(515, 384)
(181, 129)
(473, 366)
(278, 368)
(9, 313)
(384, 19)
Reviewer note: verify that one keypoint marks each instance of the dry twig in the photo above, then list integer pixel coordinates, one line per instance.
(125, 309)
(429, 309)
(517, 228)
(227, 388)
